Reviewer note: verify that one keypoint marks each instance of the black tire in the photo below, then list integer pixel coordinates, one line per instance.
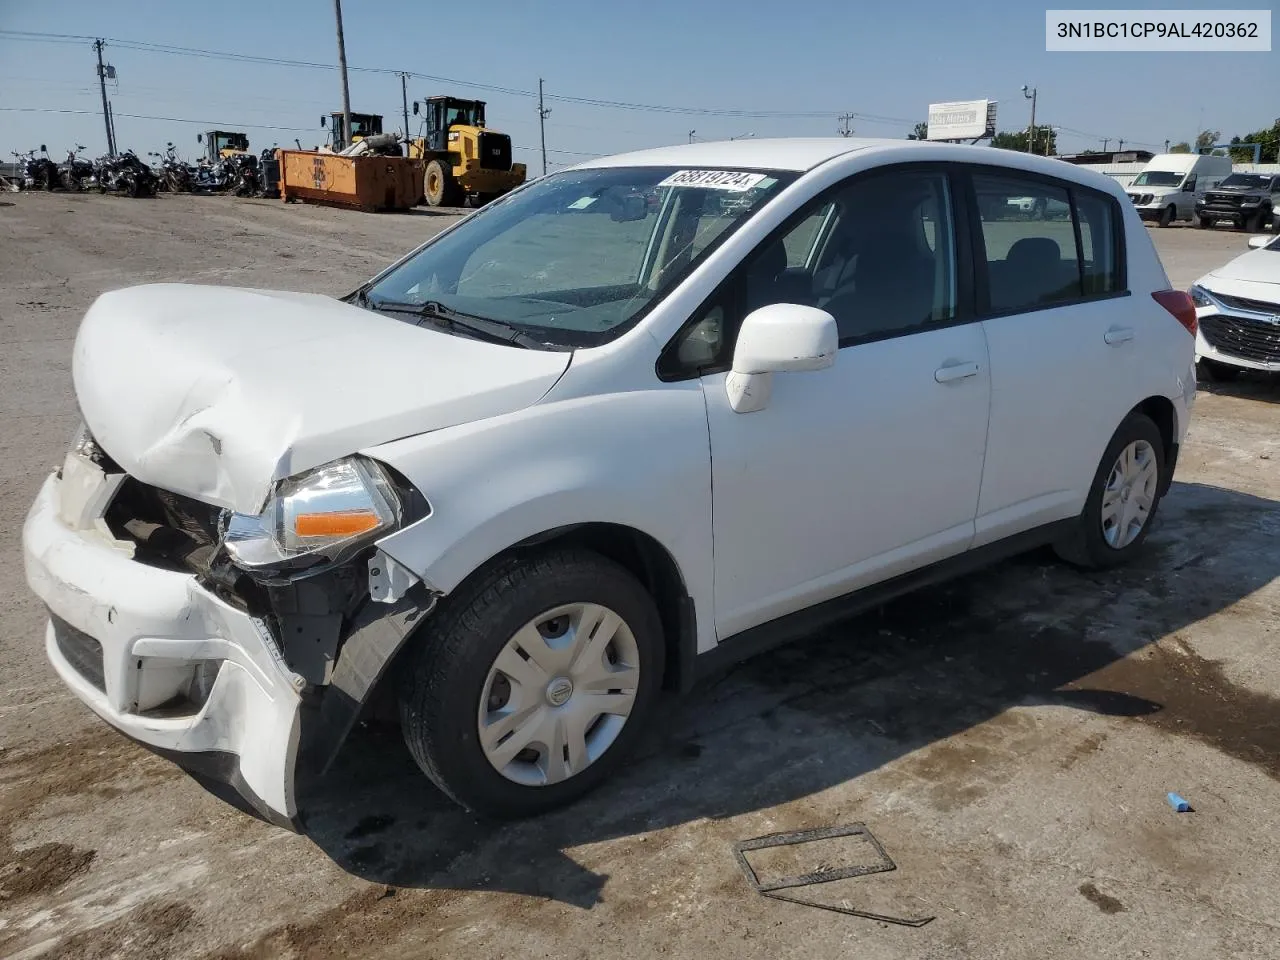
(482, 199)
(440, 189)
(440, 691)
(1217, 370)
(1085, 545)
(1205, 223)
(1258, 222)
(1168, 215)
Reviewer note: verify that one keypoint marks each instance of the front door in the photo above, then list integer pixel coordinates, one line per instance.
(870, 468)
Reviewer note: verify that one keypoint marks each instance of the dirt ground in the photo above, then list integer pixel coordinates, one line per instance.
(1009, 738)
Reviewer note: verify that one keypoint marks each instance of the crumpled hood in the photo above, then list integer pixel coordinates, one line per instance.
(218, 392)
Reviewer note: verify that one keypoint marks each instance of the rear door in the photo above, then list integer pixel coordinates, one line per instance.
(1065, 340)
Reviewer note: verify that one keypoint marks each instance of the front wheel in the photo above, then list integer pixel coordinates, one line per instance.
(1167, 215)
(1123, 500)
(1205, 223)
(533, 682)
(440, 187)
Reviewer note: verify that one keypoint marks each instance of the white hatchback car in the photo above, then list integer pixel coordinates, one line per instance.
(584, 445)
(1238, 310)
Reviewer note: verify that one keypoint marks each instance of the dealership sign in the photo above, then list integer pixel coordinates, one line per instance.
(962, 120)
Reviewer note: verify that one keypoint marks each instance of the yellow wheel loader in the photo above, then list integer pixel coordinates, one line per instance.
(362, 125)
(464, 159)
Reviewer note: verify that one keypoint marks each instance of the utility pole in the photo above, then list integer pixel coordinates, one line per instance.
(111, 126)
(1106, 142)
(1166, 146)
(102, 85)
(346, 91)
(1121, 147)
(543, 113)
(846, 121)
(1031, 130)
(691, 133)
(404, 98)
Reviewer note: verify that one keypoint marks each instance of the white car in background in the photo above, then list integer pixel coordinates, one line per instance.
(580, 447)
(1238, 313)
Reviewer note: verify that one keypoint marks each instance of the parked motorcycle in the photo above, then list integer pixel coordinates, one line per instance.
(76, 173)
(243, 176)
(175, 175)
(127, 174)
(37, 172)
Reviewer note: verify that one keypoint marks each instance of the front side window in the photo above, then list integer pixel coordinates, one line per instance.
(577, 257)
(879, 257)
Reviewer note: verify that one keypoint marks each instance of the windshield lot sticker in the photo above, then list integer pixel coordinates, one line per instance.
(731, 180)
(582, 204)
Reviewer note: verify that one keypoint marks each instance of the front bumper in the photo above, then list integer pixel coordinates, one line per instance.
(155, 629)
(1235, 214)
(1240, 338)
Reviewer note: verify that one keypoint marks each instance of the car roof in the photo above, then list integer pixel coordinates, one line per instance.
(803, 154)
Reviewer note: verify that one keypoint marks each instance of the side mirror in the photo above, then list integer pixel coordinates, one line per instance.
(199, 138)
(415, 108)
(779, 338)
(1257, 243)
(323, 121)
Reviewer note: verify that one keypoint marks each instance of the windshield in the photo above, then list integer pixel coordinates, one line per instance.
(466, 115)
(577, 257)
(1158, 178)
(1251, 181)
(233, 141)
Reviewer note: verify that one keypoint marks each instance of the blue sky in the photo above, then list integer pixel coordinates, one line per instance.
(884, 61)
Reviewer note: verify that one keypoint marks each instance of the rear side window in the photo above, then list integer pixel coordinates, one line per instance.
(1045, 243)
(1031, 253)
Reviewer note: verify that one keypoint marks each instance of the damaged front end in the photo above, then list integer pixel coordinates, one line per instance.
(232, 644)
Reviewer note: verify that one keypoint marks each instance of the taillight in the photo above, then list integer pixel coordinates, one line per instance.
(1180, 304)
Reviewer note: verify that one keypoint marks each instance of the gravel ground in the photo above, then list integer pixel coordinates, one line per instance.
(1009, 738)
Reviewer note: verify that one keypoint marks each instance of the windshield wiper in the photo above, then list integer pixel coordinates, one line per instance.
(495, 331)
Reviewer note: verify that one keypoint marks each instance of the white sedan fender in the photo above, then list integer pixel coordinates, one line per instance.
(639, 458)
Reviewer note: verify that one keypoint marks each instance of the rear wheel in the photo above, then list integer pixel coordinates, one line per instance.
(1217, 370)
(533, 682)
(440, 187)
(1167, 215)
(1123, 500)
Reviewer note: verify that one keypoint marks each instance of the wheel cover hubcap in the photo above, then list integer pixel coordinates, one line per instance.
(1129, 494)
(558, 694)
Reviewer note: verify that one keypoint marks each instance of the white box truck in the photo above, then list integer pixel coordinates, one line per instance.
(1167, 187)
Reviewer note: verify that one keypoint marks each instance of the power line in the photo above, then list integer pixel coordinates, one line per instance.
(212, 124)
(199, 52)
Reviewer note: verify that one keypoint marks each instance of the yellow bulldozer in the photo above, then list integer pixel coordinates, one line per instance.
(464, 159)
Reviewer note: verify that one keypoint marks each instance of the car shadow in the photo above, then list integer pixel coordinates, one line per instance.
(1249, 385)
(844, 702)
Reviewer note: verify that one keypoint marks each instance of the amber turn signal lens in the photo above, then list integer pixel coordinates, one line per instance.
(340, 524)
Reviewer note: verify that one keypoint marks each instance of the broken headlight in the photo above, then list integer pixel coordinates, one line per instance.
(323, 514)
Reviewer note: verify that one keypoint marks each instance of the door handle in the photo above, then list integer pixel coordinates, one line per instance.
(1118, 335)
(955, 371)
